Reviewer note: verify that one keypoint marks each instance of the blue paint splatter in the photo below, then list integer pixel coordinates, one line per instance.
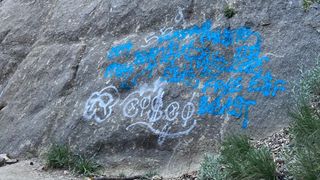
(119, 50)
(118, 70)
(199, 55)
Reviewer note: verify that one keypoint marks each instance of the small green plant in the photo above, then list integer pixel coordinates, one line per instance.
(210, 169)
(305, 128)
(231, 146)
(260, 165)
(308, 87)
(84, 165)
(235, 144)
(229, 12)
(149, 175)
(308, 3)
(243, 161)
(304, 159)
(59, 157)
(306, 163)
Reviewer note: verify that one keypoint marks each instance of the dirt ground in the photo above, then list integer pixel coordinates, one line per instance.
(33, 169)
(23, 170)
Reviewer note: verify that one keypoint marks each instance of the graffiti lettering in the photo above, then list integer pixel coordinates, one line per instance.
(222, 66)
(99, 105)
(197, 54)
(146, 108)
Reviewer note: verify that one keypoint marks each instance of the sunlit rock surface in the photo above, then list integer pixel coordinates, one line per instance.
(148, 85)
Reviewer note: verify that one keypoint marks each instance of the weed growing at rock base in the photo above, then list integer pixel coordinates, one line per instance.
(121, 175)
(307, 89)
(84, 165)
(243, 161)
(240, 160)
(61, 157)
(148, 175)
(210, 169)
(304, 162)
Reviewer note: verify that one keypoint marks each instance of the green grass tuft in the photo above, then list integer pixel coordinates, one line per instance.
(149, 175)
(210, 169)
(121, 175)
(309, 85)
(308, 3)
(229, 12)
(233, 144)
(84, 165)
(305, 128)
(59, 157)
(243, 161)
(304, 162)
(260, 165)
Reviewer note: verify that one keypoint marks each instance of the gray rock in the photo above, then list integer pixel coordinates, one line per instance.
(12, 161)
(5, 159)
(2, 161)
(54, 54)
(4, 156)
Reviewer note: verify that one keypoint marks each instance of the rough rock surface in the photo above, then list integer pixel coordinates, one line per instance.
(148, 85)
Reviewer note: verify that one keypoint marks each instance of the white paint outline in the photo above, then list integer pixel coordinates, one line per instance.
(90, 111)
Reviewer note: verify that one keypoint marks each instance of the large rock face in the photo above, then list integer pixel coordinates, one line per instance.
(148, 85)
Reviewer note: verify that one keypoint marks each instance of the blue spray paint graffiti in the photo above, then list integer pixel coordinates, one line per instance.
(200, 57)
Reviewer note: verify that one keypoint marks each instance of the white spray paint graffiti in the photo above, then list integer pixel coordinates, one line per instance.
(153, 38)
(99, 105)
(145, 108)
(157, 114)
(180, 17)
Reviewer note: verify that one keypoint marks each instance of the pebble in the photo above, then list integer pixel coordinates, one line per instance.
(5, 157)
(277, 144)
(156, 177)
(2, 161)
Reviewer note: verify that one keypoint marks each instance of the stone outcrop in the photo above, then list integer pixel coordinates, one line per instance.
(148, 85)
